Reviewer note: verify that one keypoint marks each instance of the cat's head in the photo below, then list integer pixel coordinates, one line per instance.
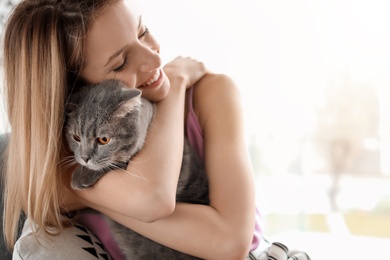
(102, 125)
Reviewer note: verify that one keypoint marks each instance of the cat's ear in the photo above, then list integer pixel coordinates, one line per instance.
(131, 101)
(72, 103)
(70, 107)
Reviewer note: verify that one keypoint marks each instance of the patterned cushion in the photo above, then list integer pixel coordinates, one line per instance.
(75, 242)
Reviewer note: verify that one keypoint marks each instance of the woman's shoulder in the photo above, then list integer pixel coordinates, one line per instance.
(214, 83)
(215, 87)
(213, 95)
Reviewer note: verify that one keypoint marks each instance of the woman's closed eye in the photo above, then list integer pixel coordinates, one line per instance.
(145, 32)
(122, 66)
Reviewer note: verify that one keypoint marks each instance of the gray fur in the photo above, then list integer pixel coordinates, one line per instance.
(109, 109)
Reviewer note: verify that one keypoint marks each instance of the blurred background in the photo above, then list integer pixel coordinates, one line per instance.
(315, 85)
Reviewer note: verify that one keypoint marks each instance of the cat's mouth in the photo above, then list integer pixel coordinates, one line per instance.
(105, 165)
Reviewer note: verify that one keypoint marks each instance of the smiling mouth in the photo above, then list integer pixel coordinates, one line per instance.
(153, 79)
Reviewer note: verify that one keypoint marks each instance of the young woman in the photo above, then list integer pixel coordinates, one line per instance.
(51, 48)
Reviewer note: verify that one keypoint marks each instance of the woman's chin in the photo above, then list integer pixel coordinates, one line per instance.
(164, 91)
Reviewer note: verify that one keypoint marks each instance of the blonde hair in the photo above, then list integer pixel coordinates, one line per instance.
(43, 54)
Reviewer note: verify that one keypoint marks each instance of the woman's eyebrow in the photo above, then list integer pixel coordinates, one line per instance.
(119, 52)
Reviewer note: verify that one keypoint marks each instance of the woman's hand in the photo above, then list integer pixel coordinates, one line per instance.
(185, 69)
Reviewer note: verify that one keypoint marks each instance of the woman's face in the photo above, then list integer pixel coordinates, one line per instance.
(119, 46)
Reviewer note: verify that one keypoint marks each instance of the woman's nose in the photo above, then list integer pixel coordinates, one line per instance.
(149, 63)
(150, 58)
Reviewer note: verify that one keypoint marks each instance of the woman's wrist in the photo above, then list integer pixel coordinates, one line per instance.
(178, 82)
(184, 71)
(177, 90)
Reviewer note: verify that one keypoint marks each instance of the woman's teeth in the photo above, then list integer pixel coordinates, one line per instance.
(152, 80)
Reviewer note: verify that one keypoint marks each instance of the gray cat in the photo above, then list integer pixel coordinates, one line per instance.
(106, 126)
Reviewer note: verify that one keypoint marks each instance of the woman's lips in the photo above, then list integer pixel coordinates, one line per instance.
(154, 81)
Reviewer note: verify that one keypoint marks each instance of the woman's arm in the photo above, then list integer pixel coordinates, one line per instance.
(148, 190)
(150, 193)
(223, 230)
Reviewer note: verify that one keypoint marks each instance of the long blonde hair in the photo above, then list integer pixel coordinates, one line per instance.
(43, 54)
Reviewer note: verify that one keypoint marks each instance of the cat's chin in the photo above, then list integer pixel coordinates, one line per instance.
(91, 166)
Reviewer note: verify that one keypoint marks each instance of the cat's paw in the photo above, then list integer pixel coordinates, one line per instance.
(80, 179)
(84, 178)
(78, 186)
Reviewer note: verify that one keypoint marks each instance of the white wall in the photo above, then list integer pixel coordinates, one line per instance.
(282, 53)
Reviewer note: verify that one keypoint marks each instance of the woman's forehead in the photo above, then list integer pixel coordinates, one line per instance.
(116, 27)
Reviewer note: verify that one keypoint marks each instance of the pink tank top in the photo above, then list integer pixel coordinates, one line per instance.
(95, 222)
(195, 136)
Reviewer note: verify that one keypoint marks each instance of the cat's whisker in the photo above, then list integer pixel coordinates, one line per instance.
(132, 173)
(138, 160)
(143, 142)
(68, 158)
(68, 162)
(119, 165)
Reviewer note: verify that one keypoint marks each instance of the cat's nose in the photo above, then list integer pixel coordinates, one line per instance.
(86, 159)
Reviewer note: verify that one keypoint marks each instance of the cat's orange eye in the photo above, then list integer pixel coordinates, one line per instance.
(76, 138)
(104, 140)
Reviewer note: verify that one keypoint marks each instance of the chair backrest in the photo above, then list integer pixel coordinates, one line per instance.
(4, 253)
(3, 142)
